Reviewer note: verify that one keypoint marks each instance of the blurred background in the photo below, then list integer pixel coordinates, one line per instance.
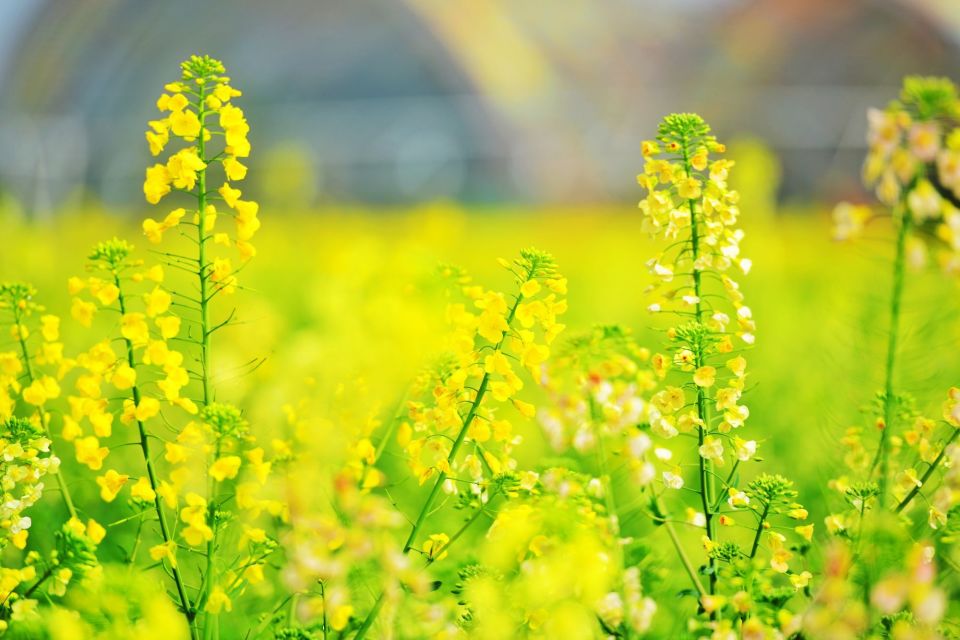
(480, 101)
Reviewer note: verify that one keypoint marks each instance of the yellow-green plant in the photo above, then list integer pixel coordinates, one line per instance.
(210, 454)
(913, 162)
(31, 378)
(491, 334)
(24, 369)
(744, 581)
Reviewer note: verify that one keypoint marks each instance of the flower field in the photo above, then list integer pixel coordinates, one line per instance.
(700, 417)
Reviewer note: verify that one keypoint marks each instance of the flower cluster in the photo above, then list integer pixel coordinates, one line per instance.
(700, 382)
(25, 459)
(689, 203)
(494, 337)
(31, 371)
(903, 464)
(141, 376)
(201, 97)
(913, 165)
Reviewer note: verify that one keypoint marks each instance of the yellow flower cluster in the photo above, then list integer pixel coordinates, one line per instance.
(913, 164)
(688, 201)
(25, 458)
(33, 374)
(689, 204)
(203, 95)
(492, 336)
(922, 456)
(103, 373)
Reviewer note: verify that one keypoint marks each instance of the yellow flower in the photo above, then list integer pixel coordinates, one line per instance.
(806, 531)
(705, 376)
(649, 148)
(253, 574)
(197, 534)
(173, 103)
(19, 539)
(168, 493)
(534, 354)
(71, 429)
(712, 449)
(41, 390)
(801, 580)
(225, 468)
(157, 183)
(50, 327)
(218, 601)
(435, 544)
(235, 139)
(157, 302)
(340, 616)
(158, 138)
(124, 376)
(491, 326)
(133, 327)
(231, 116)
(90, 453)
(688, 188)
(246, 219)
(164, 551)
(153, 230)
(169, 326)
(525, 408)
(185, 124)
(142, 490)
(195, 514)
(176, 453)
(233, 169)
(530, 288)
(182, 168)
(146, 409)
(738, 366)
(82, 311)
(95, 531)
(229, 195)
(110, 484)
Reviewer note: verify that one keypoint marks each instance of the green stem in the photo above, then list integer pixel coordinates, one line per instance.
(36, 585)
(451, 458)
(61, 483)
(687, 565)
(211, 627)
(371, 617)
(756, 538)
(705, 466)
(929, 472)
(726, 485)
(152, 475)
(462, 530)
(896, 296)
(458, 443)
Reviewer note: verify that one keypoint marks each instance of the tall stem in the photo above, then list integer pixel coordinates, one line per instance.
(896, 296)
(152, 475)
(684, 560)
(451, 458)
(211, 627)
(61, 483)
(756, 538)
(929, 472)
(705, 466)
